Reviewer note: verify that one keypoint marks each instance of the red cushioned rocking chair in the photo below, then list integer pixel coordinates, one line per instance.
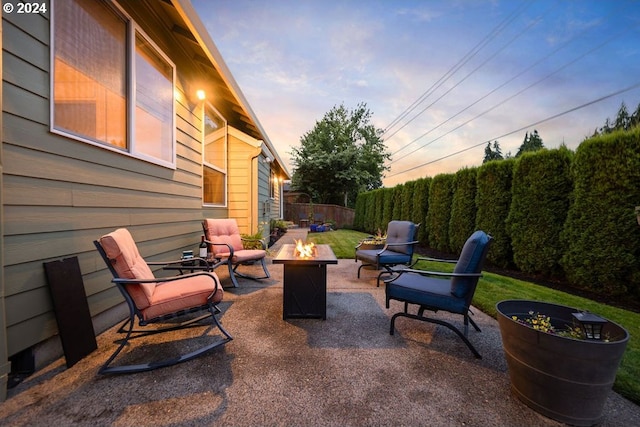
(153, 300)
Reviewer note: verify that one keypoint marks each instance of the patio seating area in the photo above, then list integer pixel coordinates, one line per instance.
(346, 370)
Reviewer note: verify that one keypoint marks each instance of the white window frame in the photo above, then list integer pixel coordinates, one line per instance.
(132, 29)
(225, 129)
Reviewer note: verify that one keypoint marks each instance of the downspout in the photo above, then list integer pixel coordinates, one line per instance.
(253, 209)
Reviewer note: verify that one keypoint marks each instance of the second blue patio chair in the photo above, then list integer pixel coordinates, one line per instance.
(435, 291)
(398, 249)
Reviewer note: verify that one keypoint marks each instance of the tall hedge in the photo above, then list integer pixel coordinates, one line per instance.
(387, 210)
(463, 208)
(439, 214)
(601, 232)
(396, 213)
(420, 207)
(493, 200)
(369, 217)
(407, 201)
(379, 208)
(541, 188)
(358, 216)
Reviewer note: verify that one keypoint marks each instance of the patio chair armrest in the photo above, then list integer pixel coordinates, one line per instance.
(209, 242)
(452, 261)
(402, 243)
(123, 281)
(388, 245)
(401, 271)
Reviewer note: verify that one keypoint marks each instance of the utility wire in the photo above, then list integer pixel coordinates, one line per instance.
(555, 116)
(468, 56)
(510, 97)
(513, 39)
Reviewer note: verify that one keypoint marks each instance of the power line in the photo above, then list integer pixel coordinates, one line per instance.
(468, 56)
(522, 32)
(510, 97)
(555, 116)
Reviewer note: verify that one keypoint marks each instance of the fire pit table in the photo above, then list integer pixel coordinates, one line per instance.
(305, 281)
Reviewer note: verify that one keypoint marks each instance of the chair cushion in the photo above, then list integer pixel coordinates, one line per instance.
(387, 257)
(126, 260)
(470, 261)
(427, 291)
(222, 231)
(248, 255)
(400, 232)
(182, 294)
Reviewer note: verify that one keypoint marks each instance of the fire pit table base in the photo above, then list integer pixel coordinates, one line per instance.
(304, 293)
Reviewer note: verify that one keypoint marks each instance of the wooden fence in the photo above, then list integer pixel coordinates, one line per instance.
(343, 217)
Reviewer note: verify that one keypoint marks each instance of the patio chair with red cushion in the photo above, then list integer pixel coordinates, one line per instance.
(225, 247)
(157, 300)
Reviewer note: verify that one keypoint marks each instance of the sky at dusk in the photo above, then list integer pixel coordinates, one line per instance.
(441, 77)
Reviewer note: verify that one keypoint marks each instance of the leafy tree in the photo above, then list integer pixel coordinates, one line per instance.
(531, 142)
(341, 156)
(492, 154)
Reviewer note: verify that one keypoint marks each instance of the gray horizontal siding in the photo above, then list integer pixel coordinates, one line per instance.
(59, 194)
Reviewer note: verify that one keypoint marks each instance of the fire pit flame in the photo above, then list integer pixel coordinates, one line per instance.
(304, 250)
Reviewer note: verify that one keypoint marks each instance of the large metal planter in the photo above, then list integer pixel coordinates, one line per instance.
(562, 378)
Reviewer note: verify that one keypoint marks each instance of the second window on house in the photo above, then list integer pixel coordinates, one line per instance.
(214, 158)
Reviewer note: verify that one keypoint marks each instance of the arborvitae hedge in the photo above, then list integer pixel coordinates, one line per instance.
(369, 218)
(407, 201)
(358, 216)
(540, 200)
(440, 197)
(463, 208)
(493, 199)
(387, 210)
(420, 207)
(396, 213)
(601, 232)
(379, 208)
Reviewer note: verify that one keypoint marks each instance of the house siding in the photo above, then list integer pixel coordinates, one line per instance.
(59, 194)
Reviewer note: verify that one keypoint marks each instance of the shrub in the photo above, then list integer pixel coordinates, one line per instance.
(493, 199)
(421, 207)
(439, 214)
(540, 200)
(397, 202)
(407, 201)
(463, 208)
(601, 231)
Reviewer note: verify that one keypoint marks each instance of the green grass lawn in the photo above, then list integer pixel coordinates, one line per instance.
(494, 288)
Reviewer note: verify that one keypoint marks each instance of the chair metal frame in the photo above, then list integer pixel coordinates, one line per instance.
(128, 327)
(388, 249)
(233, 267)
(462, 304)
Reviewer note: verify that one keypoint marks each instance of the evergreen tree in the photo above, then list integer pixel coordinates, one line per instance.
(622, 119)
(492, 154)
(531, 142)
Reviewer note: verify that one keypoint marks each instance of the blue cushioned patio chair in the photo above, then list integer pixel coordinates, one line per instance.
(435, 291)
(398, 249)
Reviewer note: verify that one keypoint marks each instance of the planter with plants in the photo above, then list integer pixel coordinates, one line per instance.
(562, 362)
(374, 242)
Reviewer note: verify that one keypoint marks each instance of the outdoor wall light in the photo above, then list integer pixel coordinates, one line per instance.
(591, 324)
(201, 94)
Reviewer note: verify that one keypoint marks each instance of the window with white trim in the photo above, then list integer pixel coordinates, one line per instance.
(111, 85)
(214, 158)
